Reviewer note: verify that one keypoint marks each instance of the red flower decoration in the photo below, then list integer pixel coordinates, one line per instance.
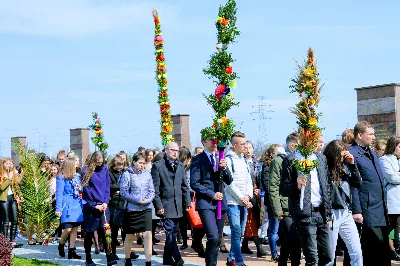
(224, 22)
(219, 91)
(162, 57)
(228, 70)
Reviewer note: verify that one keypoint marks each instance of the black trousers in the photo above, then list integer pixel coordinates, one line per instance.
(290, 244)
(171, 249)
(214, 229)
(375, 246)
(315, 240)
(9, 213)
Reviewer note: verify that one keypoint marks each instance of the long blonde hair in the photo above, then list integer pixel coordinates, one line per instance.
(91, 167)
(2, 170)
(68, 170)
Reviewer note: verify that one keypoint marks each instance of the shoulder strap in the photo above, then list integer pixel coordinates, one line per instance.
(233, 167)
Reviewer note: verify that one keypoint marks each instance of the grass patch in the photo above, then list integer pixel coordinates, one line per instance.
(17, 261)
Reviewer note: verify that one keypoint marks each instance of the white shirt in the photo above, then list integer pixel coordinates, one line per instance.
(316, 198)
(209, 158)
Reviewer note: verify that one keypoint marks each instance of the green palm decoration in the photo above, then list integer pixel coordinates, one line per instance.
(36, 192)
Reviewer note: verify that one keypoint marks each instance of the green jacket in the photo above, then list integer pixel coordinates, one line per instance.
(279, 203)
(4, 189)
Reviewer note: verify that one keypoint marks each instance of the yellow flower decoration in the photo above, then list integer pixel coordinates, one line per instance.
(312, 121)
(308, 72)
(219, 19)
(313, 101)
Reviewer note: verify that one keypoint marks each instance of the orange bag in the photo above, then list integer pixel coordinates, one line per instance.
(194, 216)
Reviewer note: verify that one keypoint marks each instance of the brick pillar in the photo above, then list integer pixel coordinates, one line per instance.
(14, 156)
(377, 105)
(181, 130)
(79, 143)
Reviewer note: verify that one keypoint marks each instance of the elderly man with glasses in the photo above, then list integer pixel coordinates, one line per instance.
(170, 189)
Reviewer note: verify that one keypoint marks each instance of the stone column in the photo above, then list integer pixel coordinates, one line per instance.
(79, 143)
(181, 130)
(14, 156)
(377, 105)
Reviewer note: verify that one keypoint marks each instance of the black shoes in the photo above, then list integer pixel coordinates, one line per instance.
(223, 249)
(246, 250)
(179, 263)
(395, 256)
(134, 256)
(61, 250)
(156, 241)
(183, 247)
(264, 240)
(128, 262)
(114, 257)
(72, 254)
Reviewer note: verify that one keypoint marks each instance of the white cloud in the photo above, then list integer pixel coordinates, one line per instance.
(76, 17)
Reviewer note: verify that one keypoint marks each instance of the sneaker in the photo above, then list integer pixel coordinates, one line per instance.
(275, 258)
(230, 263)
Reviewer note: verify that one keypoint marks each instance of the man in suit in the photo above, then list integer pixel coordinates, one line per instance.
(369, 202)
(170, 189)
(314, 220)
(204, 176)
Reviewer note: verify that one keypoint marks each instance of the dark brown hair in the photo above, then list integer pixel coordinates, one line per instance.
(147, 152)
(391, 144)
(333, 153)
(361, 127)
(268, 153)
(138, 156)
(185, 156)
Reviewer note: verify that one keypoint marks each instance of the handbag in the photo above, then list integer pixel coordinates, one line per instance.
(194, 216)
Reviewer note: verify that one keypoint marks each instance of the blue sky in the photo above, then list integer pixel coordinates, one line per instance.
(64, 59)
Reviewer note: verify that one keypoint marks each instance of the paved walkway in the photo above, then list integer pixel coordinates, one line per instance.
(50, 253)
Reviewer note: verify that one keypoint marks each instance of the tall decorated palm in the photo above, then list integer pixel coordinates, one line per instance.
(220, 70)
(36, 193)
(306, 86)
(162, 82)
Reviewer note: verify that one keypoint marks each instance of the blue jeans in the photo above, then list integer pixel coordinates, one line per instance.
(237, 216)
(344, 225)
(273, 231)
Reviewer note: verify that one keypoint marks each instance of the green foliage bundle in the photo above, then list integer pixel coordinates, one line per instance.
(35, 188)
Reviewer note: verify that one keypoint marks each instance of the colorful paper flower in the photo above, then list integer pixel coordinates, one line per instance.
(219, 91)
(224, 22)
(228, 70)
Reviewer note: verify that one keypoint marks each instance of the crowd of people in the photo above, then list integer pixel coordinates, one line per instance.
(351, 201)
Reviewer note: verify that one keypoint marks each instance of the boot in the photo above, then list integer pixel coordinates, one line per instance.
(260, 251)
(245, 247)
(72, 254)
(128, 262)
(89, 261)
(61, 250)
(110, 260)
(148, 263)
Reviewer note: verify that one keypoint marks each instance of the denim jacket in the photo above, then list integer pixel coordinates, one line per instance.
(136, 186)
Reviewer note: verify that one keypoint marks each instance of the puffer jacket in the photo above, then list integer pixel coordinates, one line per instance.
(136, 186)
(288, 188)
(242, 184)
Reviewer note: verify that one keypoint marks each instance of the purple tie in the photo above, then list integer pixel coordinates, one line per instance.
(212, 161)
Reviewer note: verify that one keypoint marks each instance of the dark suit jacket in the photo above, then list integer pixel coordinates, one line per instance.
(203, 180)
(288, 188)
(370, 198)
(170, 188)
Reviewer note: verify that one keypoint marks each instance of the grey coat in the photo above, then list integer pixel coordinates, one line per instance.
(170, 188)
